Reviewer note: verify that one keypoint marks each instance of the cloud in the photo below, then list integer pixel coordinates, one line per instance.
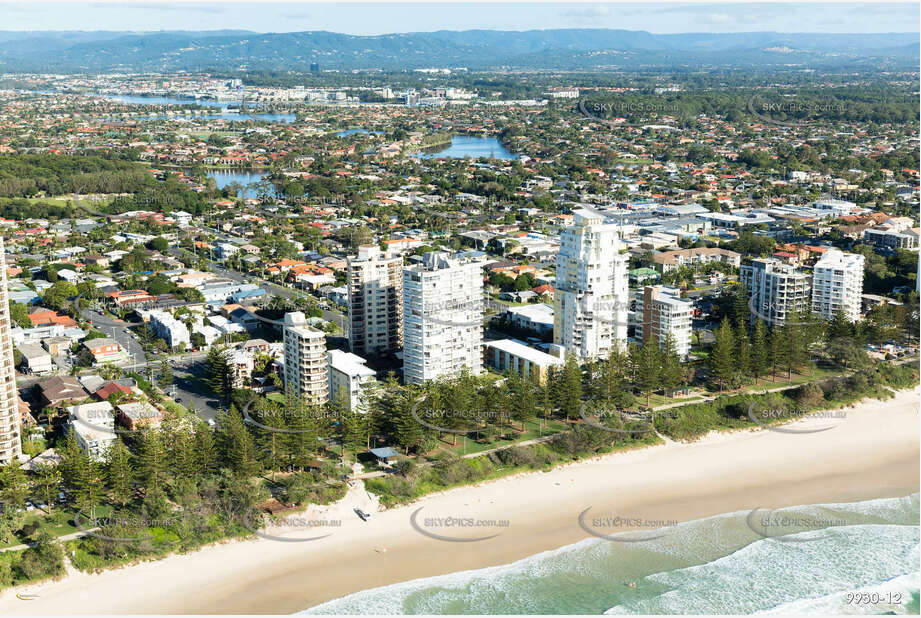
(719, 18)
(17, 7)
(587, 13)
(180, 7)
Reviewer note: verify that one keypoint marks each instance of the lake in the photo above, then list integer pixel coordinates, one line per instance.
(462, 146)
(243, 176)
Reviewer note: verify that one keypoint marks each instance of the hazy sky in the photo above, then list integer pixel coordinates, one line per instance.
(382, 18)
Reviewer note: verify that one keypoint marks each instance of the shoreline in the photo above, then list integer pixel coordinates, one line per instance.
(872, 452)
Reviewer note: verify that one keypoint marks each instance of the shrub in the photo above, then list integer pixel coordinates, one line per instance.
(404, 467)
(809, 395)
(44, 559)
(834, 389)
(517, 456)
(858, 383)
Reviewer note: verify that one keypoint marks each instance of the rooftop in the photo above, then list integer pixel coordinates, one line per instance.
(519, 349)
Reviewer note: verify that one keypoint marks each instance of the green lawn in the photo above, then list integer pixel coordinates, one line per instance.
(657, 399)
(277, 397)
(59, 522)
(533, 429)
(765, 383)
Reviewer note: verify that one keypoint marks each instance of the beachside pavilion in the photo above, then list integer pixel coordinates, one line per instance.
(385, 455)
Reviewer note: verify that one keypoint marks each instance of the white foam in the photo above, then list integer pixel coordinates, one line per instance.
(761, 575)
(769, 573)
(900, 587)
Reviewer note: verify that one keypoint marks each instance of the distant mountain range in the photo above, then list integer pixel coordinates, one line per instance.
(475, 49)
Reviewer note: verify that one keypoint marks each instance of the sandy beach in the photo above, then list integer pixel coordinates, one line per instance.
(872, 451)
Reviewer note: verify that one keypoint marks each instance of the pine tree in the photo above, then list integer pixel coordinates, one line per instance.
(740, 309)
(219, 375)
(794, 342)
(545, 396)
(760, 354)
(81, 473)
(337, 409)
(203, 447)
(272, 444)
(165, 376)
(462, 403)
(70, 452)
(776, 349)
(570, 388)
(47, 484)
(634, 352)
(14, 485)
(152, 461)
(721, 362)
(524, 404)
(840, 327)
(304, 423)
(408, 432)
(743, 354)
(611, 379)
(649, 368)
(180, 448)
(234, 442)
(672, 373)
(353, 429)
(119, 471)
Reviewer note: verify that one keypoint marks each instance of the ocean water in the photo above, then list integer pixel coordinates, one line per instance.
(717, 565)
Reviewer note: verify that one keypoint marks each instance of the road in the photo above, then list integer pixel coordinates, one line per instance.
(185, 389)
(118, 329)
(188, 388)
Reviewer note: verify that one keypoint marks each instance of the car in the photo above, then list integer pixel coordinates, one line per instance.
(362, 515)
(211, 422)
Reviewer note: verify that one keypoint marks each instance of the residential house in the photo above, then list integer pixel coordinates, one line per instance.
(105, 350)
(138, 414)
(58, 390)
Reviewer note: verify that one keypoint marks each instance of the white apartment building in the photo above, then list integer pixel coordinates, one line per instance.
(514, 356)
(775, 289)
(837, 284)
(305, 360)
(348, 375)
(242, 364)
(375, 299)
(442, 318)
(591, 303)
(538, 318)
(666, 313)
(36, 359)
(94, 427)
(168, 328)
(10, 445)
